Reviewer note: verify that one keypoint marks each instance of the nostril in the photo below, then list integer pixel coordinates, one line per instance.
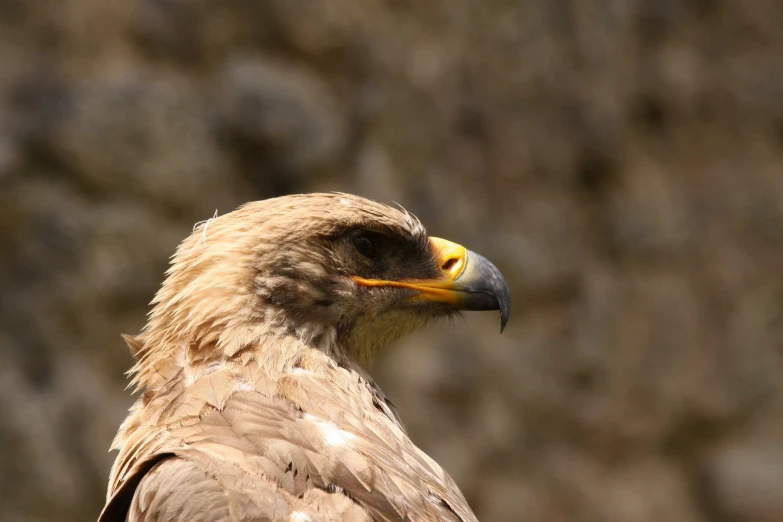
(449, 264)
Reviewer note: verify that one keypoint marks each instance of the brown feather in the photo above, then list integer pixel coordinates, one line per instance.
(254, 406)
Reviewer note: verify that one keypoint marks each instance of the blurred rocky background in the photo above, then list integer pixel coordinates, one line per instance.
(621, 161)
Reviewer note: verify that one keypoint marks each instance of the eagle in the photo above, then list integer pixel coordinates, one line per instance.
(257, 403)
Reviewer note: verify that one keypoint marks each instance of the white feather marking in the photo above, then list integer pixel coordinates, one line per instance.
(214, 366)
(317, 335)
(188, 376)
(205, 223)
(242, 385)
(332, 435)
(299, 516)
(345, 202)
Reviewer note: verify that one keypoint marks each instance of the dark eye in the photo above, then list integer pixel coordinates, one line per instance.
(366, 245)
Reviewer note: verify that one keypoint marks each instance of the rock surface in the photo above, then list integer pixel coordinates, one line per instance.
(622, 162)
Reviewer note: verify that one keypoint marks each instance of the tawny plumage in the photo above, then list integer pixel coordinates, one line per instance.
(256, 403)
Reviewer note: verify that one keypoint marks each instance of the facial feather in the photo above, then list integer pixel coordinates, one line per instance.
(268, 270)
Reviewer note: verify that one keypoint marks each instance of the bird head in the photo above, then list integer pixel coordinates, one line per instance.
(330, 269)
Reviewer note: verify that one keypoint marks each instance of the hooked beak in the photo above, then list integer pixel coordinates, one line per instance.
(468, 281)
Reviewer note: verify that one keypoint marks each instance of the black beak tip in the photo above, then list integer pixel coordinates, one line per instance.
(499, 288)
(504, 304)
(504, 318)
(488, 286)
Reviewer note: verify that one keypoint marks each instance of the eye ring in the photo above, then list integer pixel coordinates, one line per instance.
(365, 244)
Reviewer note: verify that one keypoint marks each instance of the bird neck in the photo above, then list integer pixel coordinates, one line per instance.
(162, 357)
